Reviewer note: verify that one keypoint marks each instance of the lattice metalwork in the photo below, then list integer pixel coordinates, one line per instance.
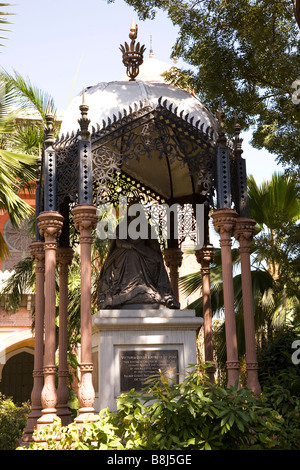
(177, 222)
(67, 160)
(146, 131)
(239, 189)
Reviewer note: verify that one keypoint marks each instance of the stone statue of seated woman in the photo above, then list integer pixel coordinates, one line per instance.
(134, 276)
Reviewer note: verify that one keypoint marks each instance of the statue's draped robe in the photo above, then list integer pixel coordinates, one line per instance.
(134, 275)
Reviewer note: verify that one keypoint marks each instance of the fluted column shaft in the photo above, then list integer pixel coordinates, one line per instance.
(85, 220)
(205, 257)
(50, 225)
(64, 259)
(224, 221)
(38, 254)
(244, 232)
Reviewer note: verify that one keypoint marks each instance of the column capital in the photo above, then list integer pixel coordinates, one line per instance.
(205, 255)
(224, 221)
(85, 218)
(64, 256)
(244, 231)
(37, 250)
(173, 257)
(50, 225)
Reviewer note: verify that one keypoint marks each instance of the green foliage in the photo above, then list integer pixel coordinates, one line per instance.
(192, 415)
(3, 20)
(244, 54)
(96, 435)
(196, 415)
(15, 286)
(283, 396)
(12, 422)
(275, 360)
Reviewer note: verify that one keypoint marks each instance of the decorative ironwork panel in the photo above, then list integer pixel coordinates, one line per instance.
(67, 158)
(242, 206)
(85, 173)
(145, 132)
(50, 180)
(180, 227)
(223, 177)
(106, 162)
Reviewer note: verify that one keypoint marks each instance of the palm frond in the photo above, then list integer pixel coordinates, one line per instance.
(4, 21)
(19, 283)
(16, 172)
(4, 251)
(29, 95)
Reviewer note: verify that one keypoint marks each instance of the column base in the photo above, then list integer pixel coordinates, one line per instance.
(48, 417)
(31, 424)
(65, 415)
(86, 415)
(233, 370)
(252, 378)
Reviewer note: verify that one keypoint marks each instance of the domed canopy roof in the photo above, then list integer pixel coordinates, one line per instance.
(107, 99)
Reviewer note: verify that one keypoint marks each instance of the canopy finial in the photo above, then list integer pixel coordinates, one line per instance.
(133, 54)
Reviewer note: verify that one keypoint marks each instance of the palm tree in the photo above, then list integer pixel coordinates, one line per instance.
(16, 170)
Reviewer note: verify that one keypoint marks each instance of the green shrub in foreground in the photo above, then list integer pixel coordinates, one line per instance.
(193, 415)
(12, 422)
(196, 415)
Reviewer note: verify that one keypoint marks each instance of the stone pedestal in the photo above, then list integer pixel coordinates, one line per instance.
(133, 344)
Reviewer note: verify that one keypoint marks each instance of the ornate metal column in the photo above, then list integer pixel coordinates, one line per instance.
(244, 231)
(205, 257)
(224, 221)
(64, 259)
(50, 224)
(37, 252)
(85, 220)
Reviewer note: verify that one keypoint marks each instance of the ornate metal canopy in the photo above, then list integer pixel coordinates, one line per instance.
(165, 148)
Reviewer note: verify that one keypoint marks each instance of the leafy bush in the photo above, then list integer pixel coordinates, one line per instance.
(193, 415)
(99, 434)
(12, 422)
(275, 364)
(287, 405)
(196, 415)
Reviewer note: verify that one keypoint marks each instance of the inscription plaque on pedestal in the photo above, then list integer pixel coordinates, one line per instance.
(136, 366)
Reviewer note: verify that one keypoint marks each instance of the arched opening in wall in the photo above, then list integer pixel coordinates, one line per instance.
(17, 378)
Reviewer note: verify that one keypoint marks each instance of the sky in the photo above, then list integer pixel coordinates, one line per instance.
(63, 46)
